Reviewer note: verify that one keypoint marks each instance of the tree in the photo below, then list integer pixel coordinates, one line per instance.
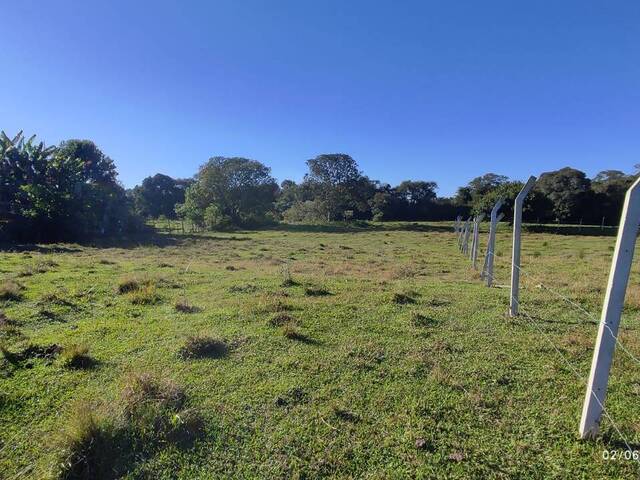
(482, 185)
(65, 192)
(242, 191)
(610, 188)
(417, 192)
(338, 186)
(569, 191)
(158, 195)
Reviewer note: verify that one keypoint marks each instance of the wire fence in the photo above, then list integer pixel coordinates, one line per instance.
(576, 307)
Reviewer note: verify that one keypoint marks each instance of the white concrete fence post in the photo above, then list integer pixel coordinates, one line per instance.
(460, 233)
(476, 238)
(515, 253)
(463, 234)
(611, 312)
(467, 233)
(487, 269)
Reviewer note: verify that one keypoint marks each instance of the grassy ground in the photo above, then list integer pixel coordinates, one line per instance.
(366, 353)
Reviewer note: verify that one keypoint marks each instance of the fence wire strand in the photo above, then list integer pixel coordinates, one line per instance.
(573, 369)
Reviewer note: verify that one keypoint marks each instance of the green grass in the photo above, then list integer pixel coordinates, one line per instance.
(366, 352)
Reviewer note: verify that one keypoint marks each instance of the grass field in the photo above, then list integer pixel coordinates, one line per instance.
(306, 352)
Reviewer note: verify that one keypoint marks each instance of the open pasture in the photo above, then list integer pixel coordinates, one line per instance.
(307, 352)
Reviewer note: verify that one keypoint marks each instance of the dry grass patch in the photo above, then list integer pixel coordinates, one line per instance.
(146, 295)
(141, 389)
(10, 290)
(131, 283)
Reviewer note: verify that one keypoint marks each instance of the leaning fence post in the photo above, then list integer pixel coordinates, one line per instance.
(515, 253)
(611, 312)
(476, 237)
(487, 269)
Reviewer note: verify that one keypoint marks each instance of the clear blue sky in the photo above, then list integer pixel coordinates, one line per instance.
(434, 90)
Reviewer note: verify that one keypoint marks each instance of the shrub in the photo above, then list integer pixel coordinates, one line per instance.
(203, 347)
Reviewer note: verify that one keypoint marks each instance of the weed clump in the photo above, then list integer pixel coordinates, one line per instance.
(402, 299)
(290, 331)
(280, 319)
(146, 295)
(10, 290)
(142, 389)
(89, 445)
(203, 347)
(183, 306)
(151, 414)
(77, 357)
(287, 279)
(316, 292)
(419, 320)
(131, 283)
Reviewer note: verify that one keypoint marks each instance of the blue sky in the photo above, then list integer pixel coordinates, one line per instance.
(433, 90)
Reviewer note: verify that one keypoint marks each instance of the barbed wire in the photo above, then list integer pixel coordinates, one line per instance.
(572, 368)
(579, 307)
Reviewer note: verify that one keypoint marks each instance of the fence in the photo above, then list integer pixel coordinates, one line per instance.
(607, 338)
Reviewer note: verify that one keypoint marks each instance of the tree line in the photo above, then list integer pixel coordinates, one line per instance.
(71, 191)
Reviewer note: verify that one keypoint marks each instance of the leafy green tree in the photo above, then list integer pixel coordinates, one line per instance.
(337, 185)
(66, 192)
(610, 188)
(242, 191)
(569, 191)
(159, 195)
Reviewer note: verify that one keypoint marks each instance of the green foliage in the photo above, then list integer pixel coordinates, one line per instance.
(64, 192)
(229, 192)
(158, 196)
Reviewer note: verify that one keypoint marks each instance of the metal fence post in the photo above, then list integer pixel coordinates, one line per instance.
(463, 234)
(515, 253)
(611, 312)
(487, 269)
